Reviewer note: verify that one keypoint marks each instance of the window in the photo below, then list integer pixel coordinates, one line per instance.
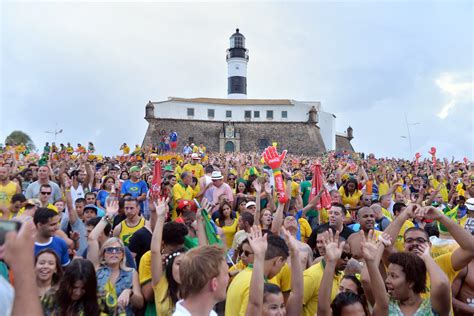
(228, 114)
(248, 114)
(256, 114)
(190, 111)
(284, 114)
(210, 113)
(270, 114)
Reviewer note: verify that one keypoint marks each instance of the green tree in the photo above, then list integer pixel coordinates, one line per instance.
(20, 137)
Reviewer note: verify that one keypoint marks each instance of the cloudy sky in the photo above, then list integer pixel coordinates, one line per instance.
(91, 68)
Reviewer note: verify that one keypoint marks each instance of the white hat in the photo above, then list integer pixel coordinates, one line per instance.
(470, 204)
(216, 175)
(249, 204)
(195, 156)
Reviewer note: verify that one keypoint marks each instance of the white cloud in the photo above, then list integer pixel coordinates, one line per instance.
(457, 90)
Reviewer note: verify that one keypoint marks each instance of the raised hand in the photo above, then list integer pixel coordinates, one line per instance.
(161, 207)
(333, 247)
(369, 246)
(268, 188)
(112, 207)
(205, 205)
(68, 183)
(290, 241)
(257, 186)
(429, 212)
(257, 242)
(423, 251)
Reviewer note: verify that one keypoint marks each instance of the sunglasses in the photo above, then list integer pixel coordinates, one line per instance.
(114, 250)
(46, 193)
(246, 253)
(231, 178)
(346, 255)
(419, 240)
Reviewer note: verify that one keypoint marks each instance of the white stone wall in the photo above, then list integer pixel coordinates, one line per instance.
(327, 125)
(178, 110)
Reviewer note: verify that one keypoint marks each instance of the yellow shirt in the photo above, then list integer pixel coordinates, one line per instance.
(387, 213)
(400, 240)
(238, 266)
(283, 279)
(443, 191)
(238, 294)
(445, 263)
(163, 306)
(180, 192)
(460, 190)
(229, 232)
(196, 170)
(294, 189)
(311, 281)
(383, 188)
(6, 193)
(144, 270)
(352, 200)
(127, 232)
(305, 229)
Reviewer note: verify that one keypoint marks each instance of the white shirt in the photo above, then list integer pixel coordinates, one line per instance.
(182, 311)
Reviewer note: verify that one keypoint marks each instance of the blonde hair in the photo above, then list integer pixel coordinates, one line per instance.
(107, 243)
(199, 266)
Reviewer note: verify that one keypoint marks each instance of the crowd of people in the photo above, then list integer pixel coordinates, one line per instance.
(162, 231)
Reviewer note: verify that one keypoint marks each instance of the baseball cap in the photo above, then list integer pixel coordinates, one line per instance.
(194, 156)
(249, 204)
(134, 168)
(91, 207)
(183, 203)
(470, 204)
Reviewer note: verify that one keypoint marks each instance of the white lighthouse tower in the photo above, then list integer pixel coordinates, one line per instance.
(237, 59)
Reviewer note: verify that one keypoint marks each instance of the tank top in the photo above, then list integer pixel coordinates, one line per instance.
(126, 232)
(6, 193)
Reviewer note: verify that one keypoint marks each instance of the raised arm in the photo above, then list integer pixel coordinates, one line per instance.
(333, 254)
(269, 195)
(440, 288)
(73, 217)
(93, 251)
(157, 237)
(258, 243)
(278, 219)
(372, 251)
(465, 253)
(294, 303)
(258, 189)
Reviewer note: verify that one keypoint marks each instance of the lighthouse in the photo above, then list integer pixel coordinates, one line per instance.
(237, 59)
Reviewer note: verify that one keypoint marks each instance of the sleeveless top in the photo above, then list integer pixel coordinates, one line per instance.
(425, 309)
(126, 232)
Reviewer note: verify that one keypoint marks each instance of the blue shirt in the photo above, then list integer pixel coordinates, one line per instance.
(173, 136)
(135, 189)
(102, 197)
(58, 246)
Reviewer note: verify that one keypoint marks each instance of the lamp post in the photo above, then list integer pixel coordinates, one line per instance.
(409, 134)
(55, 132)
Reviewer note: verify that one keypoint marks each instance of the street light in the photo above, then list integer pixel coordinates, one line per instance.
(409, 134)
(55, 132)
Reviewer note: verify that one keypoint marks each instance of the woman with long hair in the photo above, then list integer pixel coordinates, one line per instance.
(108, 186)
(48, 270)
(350, 195)
(227, 222)
(76, 293)
(266, 218)
(117, 282)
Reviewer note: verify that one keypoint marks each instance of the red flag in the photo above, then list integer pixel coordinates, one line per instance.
(156, 182)
(317, 184)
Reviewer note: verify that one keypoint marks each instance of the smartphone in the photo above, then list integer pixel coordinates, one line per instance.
(8, 226)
